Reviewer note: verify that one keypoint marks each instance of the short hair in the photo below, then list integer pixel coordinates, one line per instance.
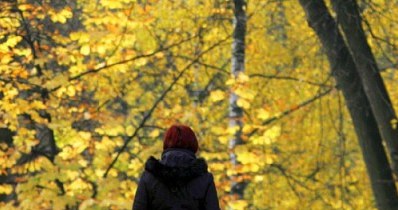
(180, 136)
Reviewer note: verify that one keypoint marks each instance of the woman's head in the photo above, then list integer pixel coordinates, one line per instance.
(180, 136)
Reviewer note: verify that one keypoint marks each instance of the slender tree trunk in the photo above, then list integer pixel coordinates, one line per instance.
(238, 66)
(348, 80)
(349, 19)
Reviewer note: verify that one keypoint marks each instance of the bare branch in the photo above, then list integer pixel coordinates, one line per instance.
(291, 110)
(288, 78)
(161, 97)
(129, 60)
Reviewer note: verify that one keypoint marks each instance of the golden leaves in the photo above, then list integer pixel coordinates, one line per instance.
(85, 49)
(5, 58)
(57, 81)
(263, 114)
(240, 87)
(5, 189)
(79, 36)
(238, 204)
(246, 157)
(155, 133)
(10, 42)
(9, 91)
(61, 16)
(243, 103)
(113, 4)
(111, 103)
(269, 136)
(217, 95)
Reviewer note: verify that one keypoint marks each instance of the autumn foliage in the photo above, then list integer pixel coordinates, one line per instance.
(88, 88)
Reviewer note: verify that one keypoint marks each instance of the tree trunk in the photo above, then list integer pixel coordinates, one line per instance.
(350, 21)
(348, 80)
(238, 66)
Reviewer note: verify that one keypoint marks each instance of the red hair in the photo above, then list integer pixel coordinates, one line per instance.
(180, 136)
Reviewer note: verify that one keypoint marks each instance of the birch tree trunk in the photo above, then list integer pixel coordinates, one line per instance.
(238, 66)
(350, 21)
(344, 71)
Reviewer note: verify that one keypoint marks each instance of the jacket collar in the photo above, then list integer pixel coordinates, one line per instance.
(177, 165)
(176, 157)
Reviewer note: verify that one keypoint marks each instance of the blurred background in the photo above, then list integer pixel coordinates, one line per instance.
(87, 89)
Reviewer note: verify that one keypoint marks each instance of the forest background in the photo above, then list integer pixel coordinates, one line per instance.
(279, 93)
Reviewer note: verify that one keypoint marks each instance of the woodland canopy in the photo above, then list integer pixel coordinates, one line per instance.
(293, 101)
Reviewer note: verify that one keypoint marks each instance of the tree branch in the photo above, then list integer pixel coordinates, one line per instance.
(129, 60)
(95, 70)
(288, 78)
(162, 96)
(291, 110)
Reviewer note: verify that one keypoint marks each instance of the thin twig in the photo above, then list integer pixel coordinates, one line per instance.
(288, 78)
(129, 60)
(291, 110)
(162, 96)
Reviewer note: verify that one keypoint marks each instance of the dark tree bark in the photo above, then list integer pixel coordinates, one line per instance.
(344, 71)
(6, 136)
(349, 19)
(238, 66)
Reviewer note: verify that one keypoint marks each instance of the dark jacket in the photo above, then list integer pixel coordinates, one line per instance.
(178, 181)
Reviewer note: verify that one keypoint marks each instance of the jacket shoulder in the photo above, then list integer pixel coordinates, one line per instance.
(169, 174)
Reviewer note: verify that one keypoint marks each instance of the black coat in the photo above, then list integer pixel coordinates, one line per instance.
(178, 181)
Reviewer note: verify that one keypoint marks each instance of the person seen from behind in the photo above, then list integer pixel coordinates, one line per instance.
(179, 180)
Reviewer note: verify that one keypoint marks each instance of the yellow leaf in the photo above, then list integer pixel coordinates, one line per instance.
(5, 189)
(71, 91)
(11, 42)
(85, 49)
(217, 95)
(129, 130)
(258, 178)
(245, 93)
(38, 104)
(243, 103)
(25, 7)
(223, 139)
(238, 204)
(101, 49)
(85, 135)
(5, 58)
(56, 81)
(11, 93)
(232, 130)
(141, 62)
(242, 77)
(230, 81)
(273, 132)
(112, 4)
(61, 16)
(247, 128)
(260, 140)
(247, 157)
(154, 133)
(269, 160)
(23, 52)
(86, 204)
(262, 114)
(80, 37)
